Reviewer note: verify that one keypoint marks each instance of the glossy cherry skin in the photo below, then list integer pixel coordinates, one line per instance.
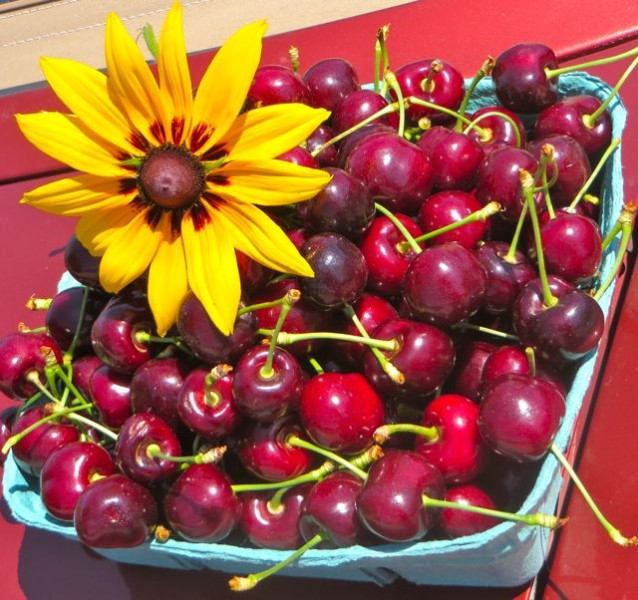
(113, 332)
(276, 84)
(208, 409)
(360, 105)
(391, 501)
(572, 165)
(505, 277)
(263, 396)
(79, 262)
(111, 393)
(206, 341)
(424, 355)
(387, 255)
(458, 450)
(136, 435)
(68, 471)
(115, 512)
(344, 206)
(201, 506)
(495, 130)
(446, 88)
(567, 117)
(7, 417)
(269, 527)
(455, 157)
(398, 173)
(299, 156)
(520, 416)
(520, 80)
(341, 411)
(33, 449)
(444, 284)
(455, 523)
(467, 377)
(348, 144)
(329, 81)
(328, 157)
(21, 356)
(330, 508)
(263, 450)
(341, 272)
(447, 207)
(83, 369)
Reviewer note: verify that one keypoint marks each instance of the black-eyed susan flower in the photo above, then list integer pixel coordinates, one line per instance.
(172, 182)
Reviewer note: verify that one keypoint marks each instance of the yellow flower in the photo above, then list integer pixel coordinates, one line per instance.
(171, 182)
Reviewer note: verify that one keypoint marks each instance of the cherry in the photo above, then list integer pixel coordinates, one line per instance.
(498, 127)
(253, 275)
(348, 144)
(276, 84)
(110, 391)
(206, 341)
(263, 450)
(344, 206)
(82, 266)
(457, 450)
(467, 377)
(340, 270)
(447, 207)
(457, 523)
(398, 173)
(358, 106)
(83, 369)
(23, 357)
(391, 501)
(299, 156)
(329, 81)
(520, 415)
(340, 411)
(68, 471)
(201, 505)
(521, 81)
(434, 81)
(7, 417)
(328, 156)
(206, 405)
(140, 432)
(115, 512)
(444, 284)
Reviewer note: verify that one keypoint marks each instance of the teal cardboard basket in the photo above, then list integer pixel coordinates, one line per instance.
(509, 554)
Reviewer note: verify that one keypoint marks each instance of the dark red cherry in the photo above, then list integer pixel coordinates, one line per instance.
(115, 512)
(346, 145)
(498, 127)
(455, 523)
(329, 156)
(276, 84)
(7, 416)
(111, 393)
(81, 264)
(467, 377)
(299, 156)
(358, 106)
(329, 81)
(520, 79)
(341, 411)
(252, 274)
(83, 369)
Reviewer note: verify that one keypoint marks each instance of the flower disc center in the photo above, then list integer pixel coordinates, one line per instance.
(171, 177)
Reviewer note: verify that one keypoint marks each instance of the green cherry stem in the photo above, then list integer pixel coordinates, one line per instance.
(486, 134)
(513, 247)
(465, 326)
(484, 71)
(547, 158)
(590, 120)
(211, 397)
(293, 55)
(284, 338)
(213, 455)
(550, 73)
(381, 434)
(409, 239)
(531, 360)
(390, 78)
(297, 442)
(381, 59)
(613, 533)
(68, 355)
(315, 475)
(34, 303)
(289, 300)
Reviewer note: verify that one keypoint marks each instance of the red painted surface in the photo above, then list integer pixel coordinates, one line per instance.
(586, 565)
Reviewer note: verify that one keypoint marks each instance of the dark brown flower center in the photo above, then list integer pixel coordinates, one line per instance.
(171, 177)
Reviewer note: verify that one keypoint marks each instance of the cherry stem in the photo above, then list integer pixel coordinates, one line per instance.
(550, 73)
(59, 371)
(314, 475)
(531, 360)
(486, 134)
(35, 304)
(34, 378)
(448, 111)
(484, 71)
(297, 442)
(381, 58)
(393, 84)
(483, 214)
(144, 338)
(534, 519)
(289, 300)
(427, 85)
(211, 397)
(150, 39)
(241, 584)
(613, 533)
(624, 224)
(293, 54)
(547, 158)
(270, 304)
(596, 170)
(92, 424)
(314, 363)
(527, 183)
(510, 257)
(213, 455)
(409, 239)
(275, 504)
(464, 325)
(590, 120)
(284, 338)
(390, 370)
(68, 355)
(381, 434)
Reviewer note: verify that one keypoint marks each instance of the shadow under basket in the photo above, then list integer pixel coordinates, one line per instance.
(509, 554)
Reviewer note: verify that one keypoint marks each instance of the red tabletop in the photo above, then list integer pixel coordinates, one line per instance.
(37, 565)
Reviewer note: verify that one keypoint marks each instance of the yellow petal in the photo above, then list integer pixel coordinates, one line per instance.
(167, 281)
(174, 75)
(129, 253)
(63, 137)
(223, 89)
(97, 229)
(76, 196)
(272, 130)
(212, 271)
(257, 235)
(83, 90)
(132, 85)
(268, 182)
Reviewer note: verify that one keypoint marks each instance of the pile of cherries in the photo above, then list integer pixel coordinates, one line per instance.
(420, 373)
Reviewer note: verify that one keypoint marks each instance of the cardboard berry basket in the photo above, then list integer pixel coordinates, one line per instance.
(509, 554)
